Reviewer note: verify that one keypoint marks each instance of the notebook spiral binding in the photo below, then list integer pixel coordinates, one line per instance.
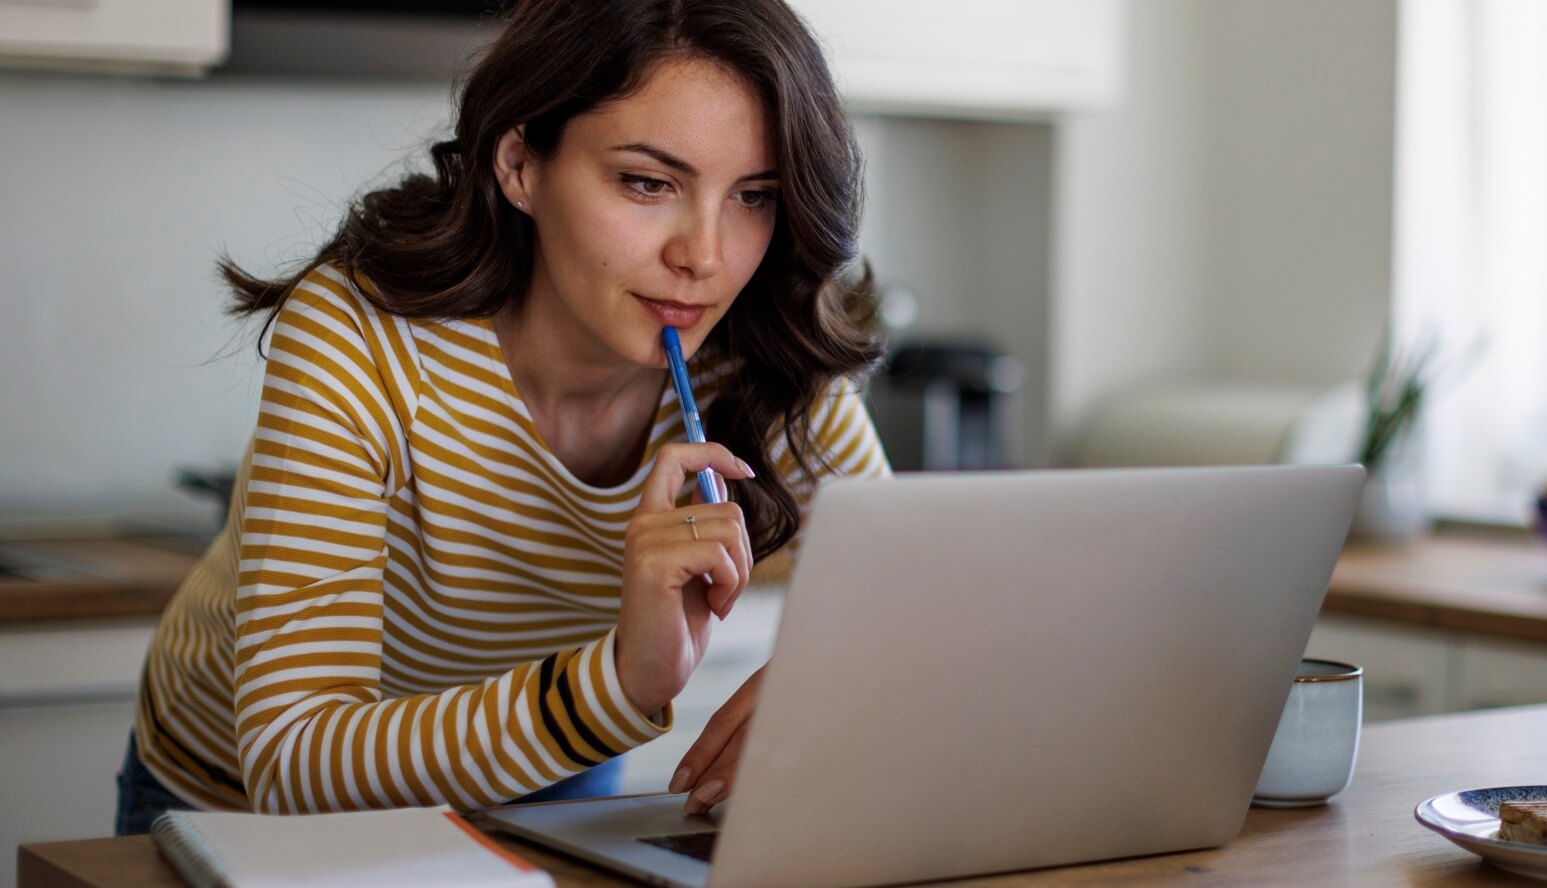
(189, 852)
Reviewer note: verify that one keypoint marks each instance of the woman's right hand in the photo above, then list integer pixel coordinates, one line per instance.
(663, 624)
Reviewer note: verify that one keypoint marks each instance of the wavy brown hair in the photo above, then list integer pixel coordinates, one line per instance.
(449, 245)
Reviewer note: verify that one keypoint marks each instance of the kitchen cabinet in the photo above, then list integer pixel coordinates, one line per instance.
(999, 60)
(1492, 673)
(983, 59)
(1449, 622)
(1415, 671)
(184, 37)
(1406, 670)
(67, 694)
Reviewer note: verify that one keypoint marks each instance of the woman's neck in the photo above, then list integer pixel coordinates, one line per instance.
(552, 368)
(593, 409)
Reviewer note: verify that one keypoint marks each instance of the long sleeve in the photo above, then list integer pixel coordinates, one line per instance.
(314, 729)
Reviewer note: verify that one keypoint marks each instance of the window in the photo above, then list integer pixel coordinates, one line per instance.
(1471, 245)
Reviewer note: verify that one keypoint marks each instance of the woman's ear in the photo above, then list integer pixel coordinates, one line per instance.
(513, 167)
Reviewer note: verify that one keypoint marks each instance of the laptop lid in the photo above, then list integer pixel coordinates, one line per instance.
(984, 673)
(995, 672)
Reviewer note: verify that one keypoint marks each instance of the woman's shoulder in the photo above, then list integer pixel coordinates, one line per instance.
(344, 305)
(331, 287)
(332, 310)
(329, 335)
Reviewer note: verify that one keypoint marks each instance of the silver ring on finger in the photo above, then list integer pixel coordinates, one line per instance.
(692, 522)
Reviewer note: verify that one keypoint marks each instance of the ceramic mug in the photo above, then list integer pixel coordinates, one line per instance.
(1313, 751)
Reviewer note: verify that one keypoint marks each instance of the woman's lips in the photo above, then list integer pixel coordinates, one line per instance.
(673, 314)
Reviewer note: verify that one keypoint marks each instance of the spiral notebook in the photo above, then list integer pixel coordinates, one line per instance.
(408, 846)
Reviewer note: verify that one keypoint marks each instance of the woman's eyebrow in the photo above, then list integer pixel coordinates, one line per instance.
(682, 166)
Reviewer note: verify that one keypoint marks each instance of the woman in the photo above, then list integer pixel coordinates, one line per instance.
(460, 566)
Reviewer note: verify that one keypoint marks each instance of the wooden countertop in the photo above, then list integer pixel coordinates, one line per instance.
(1365, 836)
(1461, 582)
(81, 579)
(1489, 586)
(88, 578)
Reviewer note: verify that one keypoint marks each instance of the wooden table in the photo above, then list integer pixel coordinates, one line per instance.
(1366, 836)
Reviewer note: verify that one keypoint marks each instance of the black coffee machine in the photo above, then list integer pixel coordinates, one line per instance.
(944, 405)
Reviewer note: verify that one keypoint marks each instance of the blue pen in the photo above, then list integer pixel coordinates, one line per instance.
(679, 381)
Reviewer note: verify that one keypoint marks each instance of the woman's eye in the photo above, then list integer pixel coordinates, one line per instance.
(756, 200)
(645, 185)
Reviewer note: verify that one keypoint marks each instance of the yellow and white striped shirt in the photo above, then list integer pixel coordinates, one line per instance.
(413, 601)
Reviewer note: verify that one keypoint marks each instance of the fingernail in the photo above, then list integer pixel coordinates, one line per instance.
(710, 791)
(746, 468)
(679, 780)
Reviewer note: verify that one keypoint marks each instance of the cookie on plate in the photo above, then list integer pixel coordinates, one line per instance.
(1523, 822)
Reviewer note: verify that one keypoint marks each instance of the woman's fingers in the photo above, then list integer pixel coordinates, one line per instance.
(724, 602)
(705, 750)
(663, 624)
(675, 462)
(681, 562)
(709, 767)
(675, 572)
(725, 526)
(719, 484)
(746, 541)
(715, 787)
(718, 526)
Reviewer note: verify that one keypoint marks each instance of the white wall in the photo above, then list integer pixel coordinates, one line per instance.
(1130, 244)
(1231, 219)
(117, 195)
(1301, 100)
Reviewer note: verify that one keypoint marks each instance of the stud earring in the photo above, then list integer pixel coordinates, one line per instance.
(520, 205)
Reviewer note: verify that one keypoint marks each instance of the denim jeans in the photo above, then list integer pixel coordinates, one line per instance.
(604, 779)
(142, 798)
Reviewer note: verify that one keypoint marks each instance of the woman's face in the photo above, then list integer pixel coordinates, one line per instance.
(653, 211)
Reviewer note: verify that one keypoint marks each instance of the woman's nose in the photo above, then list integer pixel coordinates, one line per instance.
(696, 248)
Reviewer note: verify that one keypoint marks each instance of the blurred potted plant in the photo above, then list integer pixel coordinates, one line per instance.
(1391, 507)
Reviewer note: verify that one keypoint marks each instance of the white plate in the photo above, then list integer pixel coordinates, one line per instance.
(1470, 818)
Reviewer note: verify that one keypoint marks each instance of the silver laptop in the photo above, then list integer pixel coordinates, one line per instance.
(995, 672)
